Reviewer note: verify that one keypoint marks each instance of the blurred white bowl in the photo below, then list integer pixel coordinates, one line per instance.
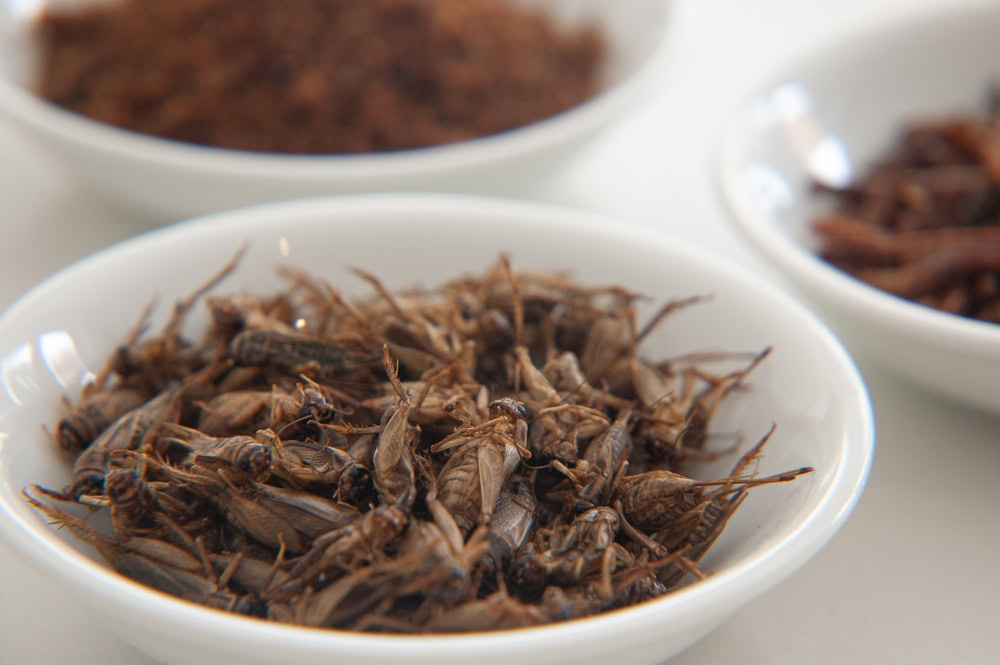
(808, 386)
(646, 41)
(829, 117)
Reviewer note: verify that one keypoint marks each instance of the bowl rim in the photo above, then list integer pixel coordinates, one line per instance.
(682, 29)
(909, 318)
(745, 579)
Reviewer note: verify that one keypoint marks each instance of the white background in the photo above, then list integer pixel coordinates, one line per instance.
(913, 576)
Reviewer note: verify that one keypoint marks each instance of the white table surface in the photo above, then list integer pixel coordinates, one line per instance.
(913, 576)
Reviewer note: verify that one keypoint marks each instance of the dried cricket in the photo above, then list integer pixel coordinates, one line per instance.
(492, 453)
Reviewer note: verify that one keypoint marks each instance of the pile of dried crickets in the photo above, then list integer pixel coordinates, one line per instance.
(924, 223)
(489, 454)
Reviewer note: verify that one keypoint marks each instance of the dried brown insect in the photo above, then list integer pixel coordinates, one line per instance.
(511, 460)
(95, 413)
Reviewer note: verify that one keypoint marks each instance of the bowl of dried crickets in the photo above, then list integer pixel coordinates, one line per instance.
(177, 108)
(431, 428)
(870, 173)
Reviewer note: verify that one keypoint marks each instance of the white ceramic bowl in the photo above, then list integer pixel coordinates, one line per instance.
(828, 117)
(172, 180)
(808, 386)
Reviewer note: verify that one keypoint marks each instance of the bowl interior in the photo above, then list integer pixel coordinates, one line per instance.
(62, 331)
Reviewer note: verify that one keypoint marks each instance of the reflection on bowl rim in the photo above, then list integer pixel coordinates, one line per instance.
(921, 321)
(677, 40)
(696, 601)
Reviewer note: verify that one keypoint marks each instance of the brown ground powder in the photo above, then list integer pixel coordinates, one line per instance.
(315, 76)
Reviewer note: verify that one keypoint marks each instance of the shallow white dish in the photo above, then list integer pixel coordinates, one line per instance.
(171, 180)
(827, 118)
(808, 386)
